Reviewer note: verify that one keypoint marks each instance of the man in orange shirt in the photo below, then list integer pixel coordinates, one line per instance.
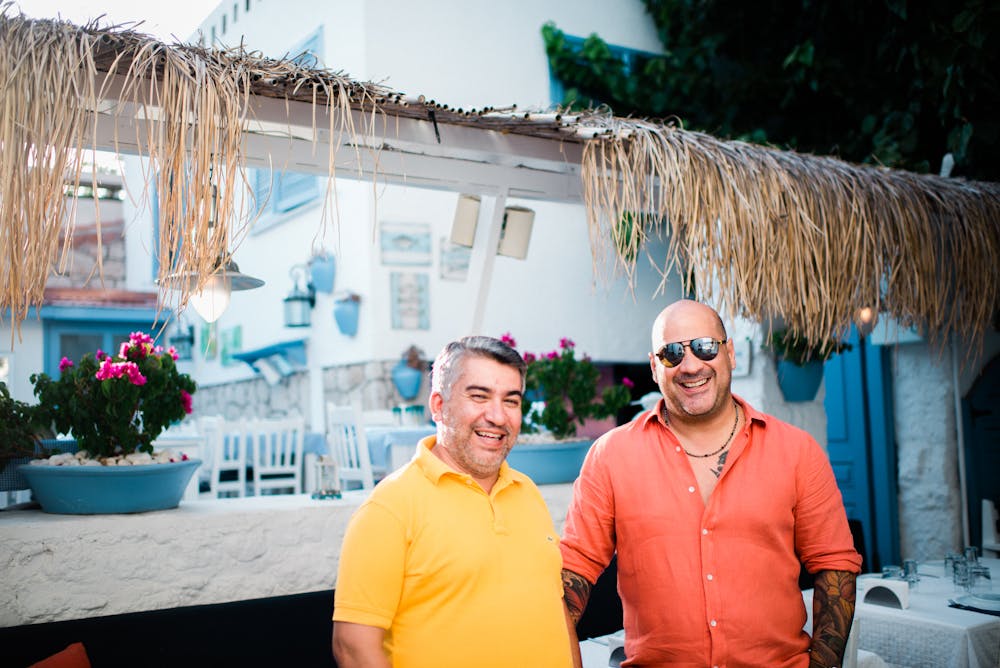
(711, 507)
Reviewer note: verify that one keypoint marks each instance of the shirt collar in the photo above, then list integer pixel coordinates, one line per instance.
(434, 469)
(655, 415)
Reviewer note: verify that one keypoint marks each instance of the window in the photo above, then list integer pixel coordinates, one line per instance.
(75, 332)
(277, 193)
(632, 59)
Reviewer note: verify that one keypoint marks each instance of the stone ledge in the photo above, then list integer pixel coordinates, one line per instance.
(62, 567)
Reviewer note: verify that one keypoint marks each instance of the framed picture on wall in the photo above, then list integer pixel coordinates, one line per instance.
(231, 343)
(406, 244)
(409, 300)
(454, 261)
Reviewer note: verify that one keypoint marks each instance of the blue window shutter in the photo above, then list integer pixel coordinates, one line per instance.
(293, 189)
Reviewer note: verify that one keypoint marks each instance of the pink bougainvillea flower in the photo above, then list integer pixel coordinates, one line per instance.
(627, 382)
(552, 355)
(565, 343)
(529, 358)
(173, 353)
(99, 355)
(132, 371)
(64, 364)
(186, 401)
(509, 340)
(108, 369)
(124, 348)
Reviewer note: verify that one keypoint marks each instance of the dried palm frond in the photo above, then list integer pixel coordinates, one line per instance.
(763, 232)
(811, 239)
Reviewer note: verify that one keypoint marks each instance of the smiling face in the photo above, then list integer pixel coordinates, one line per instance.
(479, 421)
(695, 390)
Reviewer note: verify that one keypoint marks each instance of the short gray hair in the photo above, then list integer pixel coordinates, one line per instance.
(449, 361)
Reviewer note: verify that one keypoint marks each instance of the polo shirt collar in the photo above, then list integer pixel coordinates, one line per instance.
(434, 469)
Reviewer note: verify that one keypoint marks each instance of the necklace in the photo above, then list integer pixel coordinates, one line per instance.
(724, 445)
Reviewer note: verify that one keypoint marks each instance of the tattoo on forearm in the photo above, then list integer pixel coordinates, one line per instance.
(833, 610)
(576, 589)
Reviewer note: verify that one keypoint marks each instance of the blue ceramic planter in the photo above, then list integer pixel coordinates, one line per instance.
(321, 273)
(799, 383)
(92, 490)
(345, 313)
(549, 463)
(407, 380)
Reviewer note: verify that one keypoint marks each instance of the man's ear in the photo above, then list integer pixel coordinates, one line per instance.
(731, 351)
(435, 402)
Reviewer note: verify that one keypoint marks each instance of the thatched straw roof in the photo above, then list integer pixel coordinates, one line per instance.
(767, 232)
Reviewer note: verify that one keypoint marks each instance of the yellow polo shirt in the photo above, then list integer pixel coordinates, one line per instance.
(455, 576)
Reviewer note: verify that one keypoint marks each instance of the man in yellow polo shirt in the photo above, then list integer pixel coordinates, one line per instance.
(453, 560)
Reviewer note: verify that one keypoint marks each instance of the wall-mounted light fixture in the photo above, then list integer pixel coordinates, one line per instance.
(301, 300)
(182, 339)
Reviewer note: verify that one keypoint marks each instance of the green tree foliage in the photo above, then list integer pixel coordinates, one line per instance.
(885, 82)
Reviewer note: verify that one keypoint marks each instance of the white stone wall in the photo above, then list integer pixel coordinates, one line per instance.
(369, 384)
(60, 567)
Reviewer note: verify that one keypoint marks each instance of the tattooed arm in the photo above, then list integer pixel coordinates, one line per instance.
(576, 591)
(833, 611)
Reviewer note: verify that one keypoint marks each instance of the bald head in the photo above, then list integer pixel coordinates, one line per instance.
(686, 310)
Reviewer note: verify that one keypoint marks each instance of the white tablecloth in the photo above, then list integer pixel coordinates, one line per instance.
(929, 634)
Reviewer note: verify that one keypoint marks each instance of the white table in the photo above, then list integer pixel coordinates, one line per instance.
(929, 634)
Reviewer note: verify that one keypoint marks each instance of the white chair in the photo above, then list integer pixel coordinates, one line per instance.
(345, 437)
(276, 447)
(229, 460)
(991, 544)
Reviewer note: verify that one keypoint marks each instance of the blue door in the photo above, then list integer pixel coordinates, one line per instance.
(859, 442)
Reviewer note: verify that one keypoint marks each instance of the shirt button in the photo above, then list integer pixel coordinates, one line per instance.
(691, 489)
(709, 576)
(714, 623)
(704, 532)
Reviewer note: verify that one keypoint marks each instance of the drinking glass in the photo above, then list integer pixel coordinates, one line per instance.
(972, 554)
(949, 562)
(979, 580)
(892, 571)
(910, 572)
(960, 575)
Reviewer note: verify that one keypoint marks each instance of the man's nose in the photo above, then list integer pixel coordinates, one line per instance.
(495, 412)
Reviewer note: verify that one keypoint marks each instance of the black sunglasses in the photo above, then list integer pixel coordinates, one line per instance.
(705, 348)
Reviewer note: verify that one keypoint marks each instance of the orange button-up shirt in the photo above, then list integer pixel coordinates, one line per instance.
(716, 584)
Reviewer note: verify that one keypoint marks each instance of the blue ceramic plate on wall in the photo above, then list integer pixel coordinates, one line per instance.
(91, 490)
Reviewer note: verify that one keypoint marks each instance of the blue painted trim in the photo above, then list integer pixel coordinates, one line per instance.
(100, 313)
(293, 351)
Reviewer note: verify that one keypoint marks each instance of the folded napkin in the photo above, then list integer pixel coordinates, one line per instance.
(953, 604)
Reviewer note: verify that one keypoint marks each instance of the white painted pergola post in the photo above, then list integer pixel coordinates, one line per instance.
(484, 251)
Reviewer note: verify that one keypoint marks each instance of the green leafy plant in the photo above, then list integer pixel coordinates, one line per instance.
(792, 347)
(115, 405)
(18, 432)
(568, 387)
